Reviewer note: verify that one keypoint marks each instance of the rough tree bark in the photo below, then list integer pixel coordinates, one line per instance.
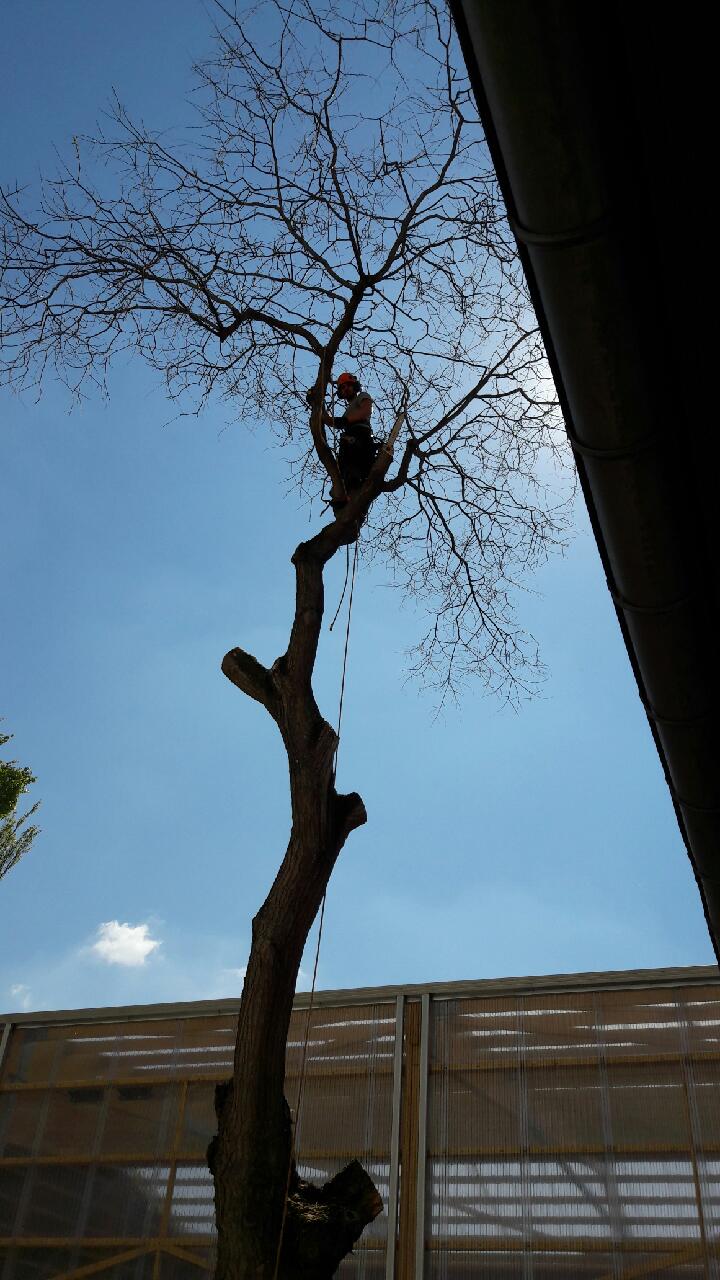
(251, 1157)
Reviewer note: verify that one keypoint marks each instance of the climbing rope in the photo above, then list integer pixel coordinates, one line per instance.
(311, 1003)
(345, 586)
(301, 1085)
(306, 1040)
(347, 643)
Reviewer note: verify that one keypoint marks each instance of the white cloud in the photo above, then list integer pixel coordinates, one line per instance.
(126, 944)
(238, 975)
(21, 993)
(179, 964)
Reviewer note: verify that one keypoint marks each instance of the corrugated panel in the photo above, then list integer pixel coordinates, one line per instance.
(45, 1264)
(362, 1265)
(20, 1115)
(573, 1135)
(78, 1201)
(560, 1124)
(192, 1211)
(199, 1123)
(81, 1120)
(346, 1107)
(173, 1267)
(120, 1051)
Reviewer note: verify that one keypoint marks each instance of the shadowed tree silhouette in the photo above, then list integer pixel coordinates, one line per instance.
(335, 202)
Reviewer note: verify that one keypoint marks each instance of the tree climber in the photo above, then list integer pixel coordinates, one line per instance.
(357, 448)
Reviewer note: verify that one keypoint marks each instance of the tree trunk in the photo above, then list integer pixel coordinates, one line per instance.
(251, 1157)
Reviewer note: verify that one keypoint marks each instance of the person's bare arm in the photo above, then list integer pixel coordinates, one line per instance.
(362, 411)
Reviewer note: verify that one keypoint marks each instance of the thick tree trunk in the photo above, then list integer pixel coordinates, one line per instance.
(251, 1157)
(252, 1154)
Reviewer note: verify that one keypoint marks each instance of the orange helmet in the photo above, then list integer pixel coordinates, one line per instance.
(347, 386)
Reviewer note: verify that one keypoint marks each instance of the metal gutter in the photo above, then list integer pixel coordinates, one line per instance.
(491, 988)
(583, 114)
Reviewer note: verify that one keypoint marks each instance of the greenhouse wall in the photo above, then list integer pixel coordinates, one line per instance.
(537, 1128)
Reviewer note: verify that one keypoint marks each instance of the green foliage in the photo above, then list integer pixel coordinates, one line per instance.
(15, 835)
(14, 781)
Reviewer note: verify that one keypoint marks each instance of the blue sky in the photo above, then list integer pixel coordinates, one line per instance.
(137, 549)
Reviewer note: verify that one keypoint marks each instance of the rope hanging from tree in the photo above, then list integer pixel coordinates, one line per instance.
(400, 418)
(311, 1004)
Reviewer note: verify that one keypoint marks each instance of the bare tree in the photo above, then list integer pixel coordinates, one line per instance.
(335, 202)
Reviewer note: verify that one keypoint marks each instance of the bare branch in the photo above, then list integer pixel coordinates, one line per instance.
(336, 202)
(243, 670)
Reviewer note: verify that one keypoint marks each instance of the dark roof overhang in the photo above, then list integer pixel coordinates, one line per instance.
(590, 114)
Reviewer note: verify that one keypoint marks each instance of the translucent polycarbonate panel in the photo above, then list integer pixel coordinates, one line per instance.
(640, 1024)
(581, 1120)
(141, 1268)
(703, 1080)
(20, 1115)
(206, 1047)
(89, 1120)
(32, 1263)
(363, 1264)
(649, 1108)
(12, 1184)
(653, 1199)
(119, 1051)
(126, 1200)
(341, 1041)
(81, 1201)
(708, 1168)
(140, 1120)
(573, 1135)
(695, 1267)
(347, 1116)
(90, 1052)
(506, 1199)
(199, 1123)
(175, 1268)
(31, 1055)
(193, 1207)
(472, 1112)
(565, 1109)
(547, 1264)
(71, 1121)
(700, 1011)
(346, 1105)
